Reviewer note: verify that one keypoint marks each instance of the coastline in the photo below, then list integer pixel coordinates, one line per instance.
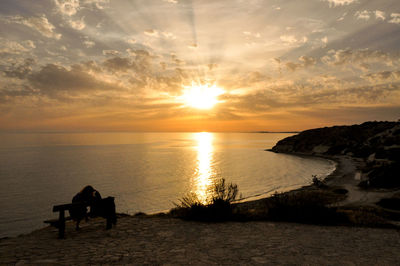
(162, 239)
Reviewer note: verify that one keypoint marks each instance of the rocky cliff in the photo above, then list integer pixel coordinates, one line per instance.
(378, 143)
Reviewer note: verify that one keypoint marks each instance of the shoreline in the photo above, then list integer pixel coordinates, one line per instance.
(163, 239)
(252, 201)
(360, 205)
(342, 174)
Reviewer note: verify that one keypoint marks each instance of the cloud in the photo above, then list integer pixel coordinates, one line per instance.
(57, 81)
(110, 52)
(380, 15)
(362, 15)
(67, 7)
(342, 17)
(305, 61)
(20, 71)
(171, 1)
(168, 35)
(151, 32)
(291, 40)
(77, 24)
(39, 23)
(12, 47)
(335, 3)
(361, 57)
(250, 34)
(88, 43)
(100, 4)
(383, 76)
(29, 44)
(366, 15)
(292, 66)
(131, 41)
(395, 18)
(118, 64)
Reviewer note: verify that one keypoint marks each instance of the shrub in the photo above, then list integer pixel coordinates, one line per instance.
(302, 206)
(224, 193)
(317, 182)
(217, 207)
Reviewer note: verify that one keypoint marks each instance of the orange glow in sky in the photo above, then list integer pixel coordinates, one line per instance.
(161, 65)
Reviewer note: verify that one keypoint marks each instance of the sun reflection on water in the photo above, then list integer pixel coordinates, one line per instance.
(204, 171)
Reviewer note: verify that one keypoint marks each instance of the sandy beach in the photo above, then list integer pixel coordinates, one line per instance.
(161, 239)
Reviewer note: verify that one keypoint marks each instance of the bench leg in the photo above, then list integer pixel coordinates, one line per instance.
(109, 223)
(61, 224)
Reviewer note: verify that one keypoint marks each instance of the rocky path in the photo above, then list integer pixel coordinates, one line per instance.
(162, 240)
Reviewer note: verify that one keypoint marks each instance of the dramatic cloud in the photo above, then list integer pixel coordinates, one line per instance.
(124, 65)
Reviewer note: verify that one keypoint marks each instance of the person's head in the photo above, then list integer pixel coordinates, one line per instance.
(88, 190)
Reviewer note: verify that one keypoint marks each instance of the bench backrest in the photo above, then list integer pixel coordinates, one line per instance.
(68, 206)
(64, 207)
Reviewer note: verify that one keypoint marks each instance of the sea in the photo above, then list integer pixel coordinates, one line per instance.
(145, 172)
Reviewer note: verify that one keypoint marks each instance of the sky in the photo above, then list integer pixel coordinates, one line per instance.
(125, 65)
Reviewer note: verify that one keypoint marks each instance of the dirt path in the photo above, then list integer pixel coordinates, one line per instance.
(161, 240)
(348, 176)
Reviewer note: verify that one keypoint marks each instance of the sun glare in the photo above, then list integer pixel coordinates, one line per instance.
(201, 96)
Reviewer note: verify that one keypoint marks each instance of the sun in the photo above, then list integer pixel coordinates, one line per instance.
(201, 96)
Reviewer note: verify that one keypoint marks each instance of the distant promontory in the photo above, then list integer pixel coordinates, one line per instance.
(377, 143)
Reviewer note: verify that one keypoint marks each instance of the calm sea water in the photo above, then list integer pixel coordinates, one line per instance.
(144, 171)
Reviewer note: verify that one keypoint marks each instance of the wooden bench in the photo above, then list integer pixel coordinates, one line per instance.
(60, 222)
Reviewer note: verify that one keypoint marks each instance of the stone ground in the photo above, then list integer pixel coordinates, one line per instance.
(163, 240)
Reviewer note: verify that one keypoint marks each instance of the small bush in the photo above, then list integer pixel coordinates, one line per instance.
(224, 193)
(303, 206)
(365, 216)
(217, 207)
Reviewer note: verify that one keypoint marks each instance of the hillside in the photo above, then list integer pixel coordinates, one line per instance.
(377, 143)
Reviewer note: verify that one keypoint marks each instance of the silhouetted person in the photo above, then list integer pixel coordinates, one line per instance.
(88, 195)
(98, 207)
